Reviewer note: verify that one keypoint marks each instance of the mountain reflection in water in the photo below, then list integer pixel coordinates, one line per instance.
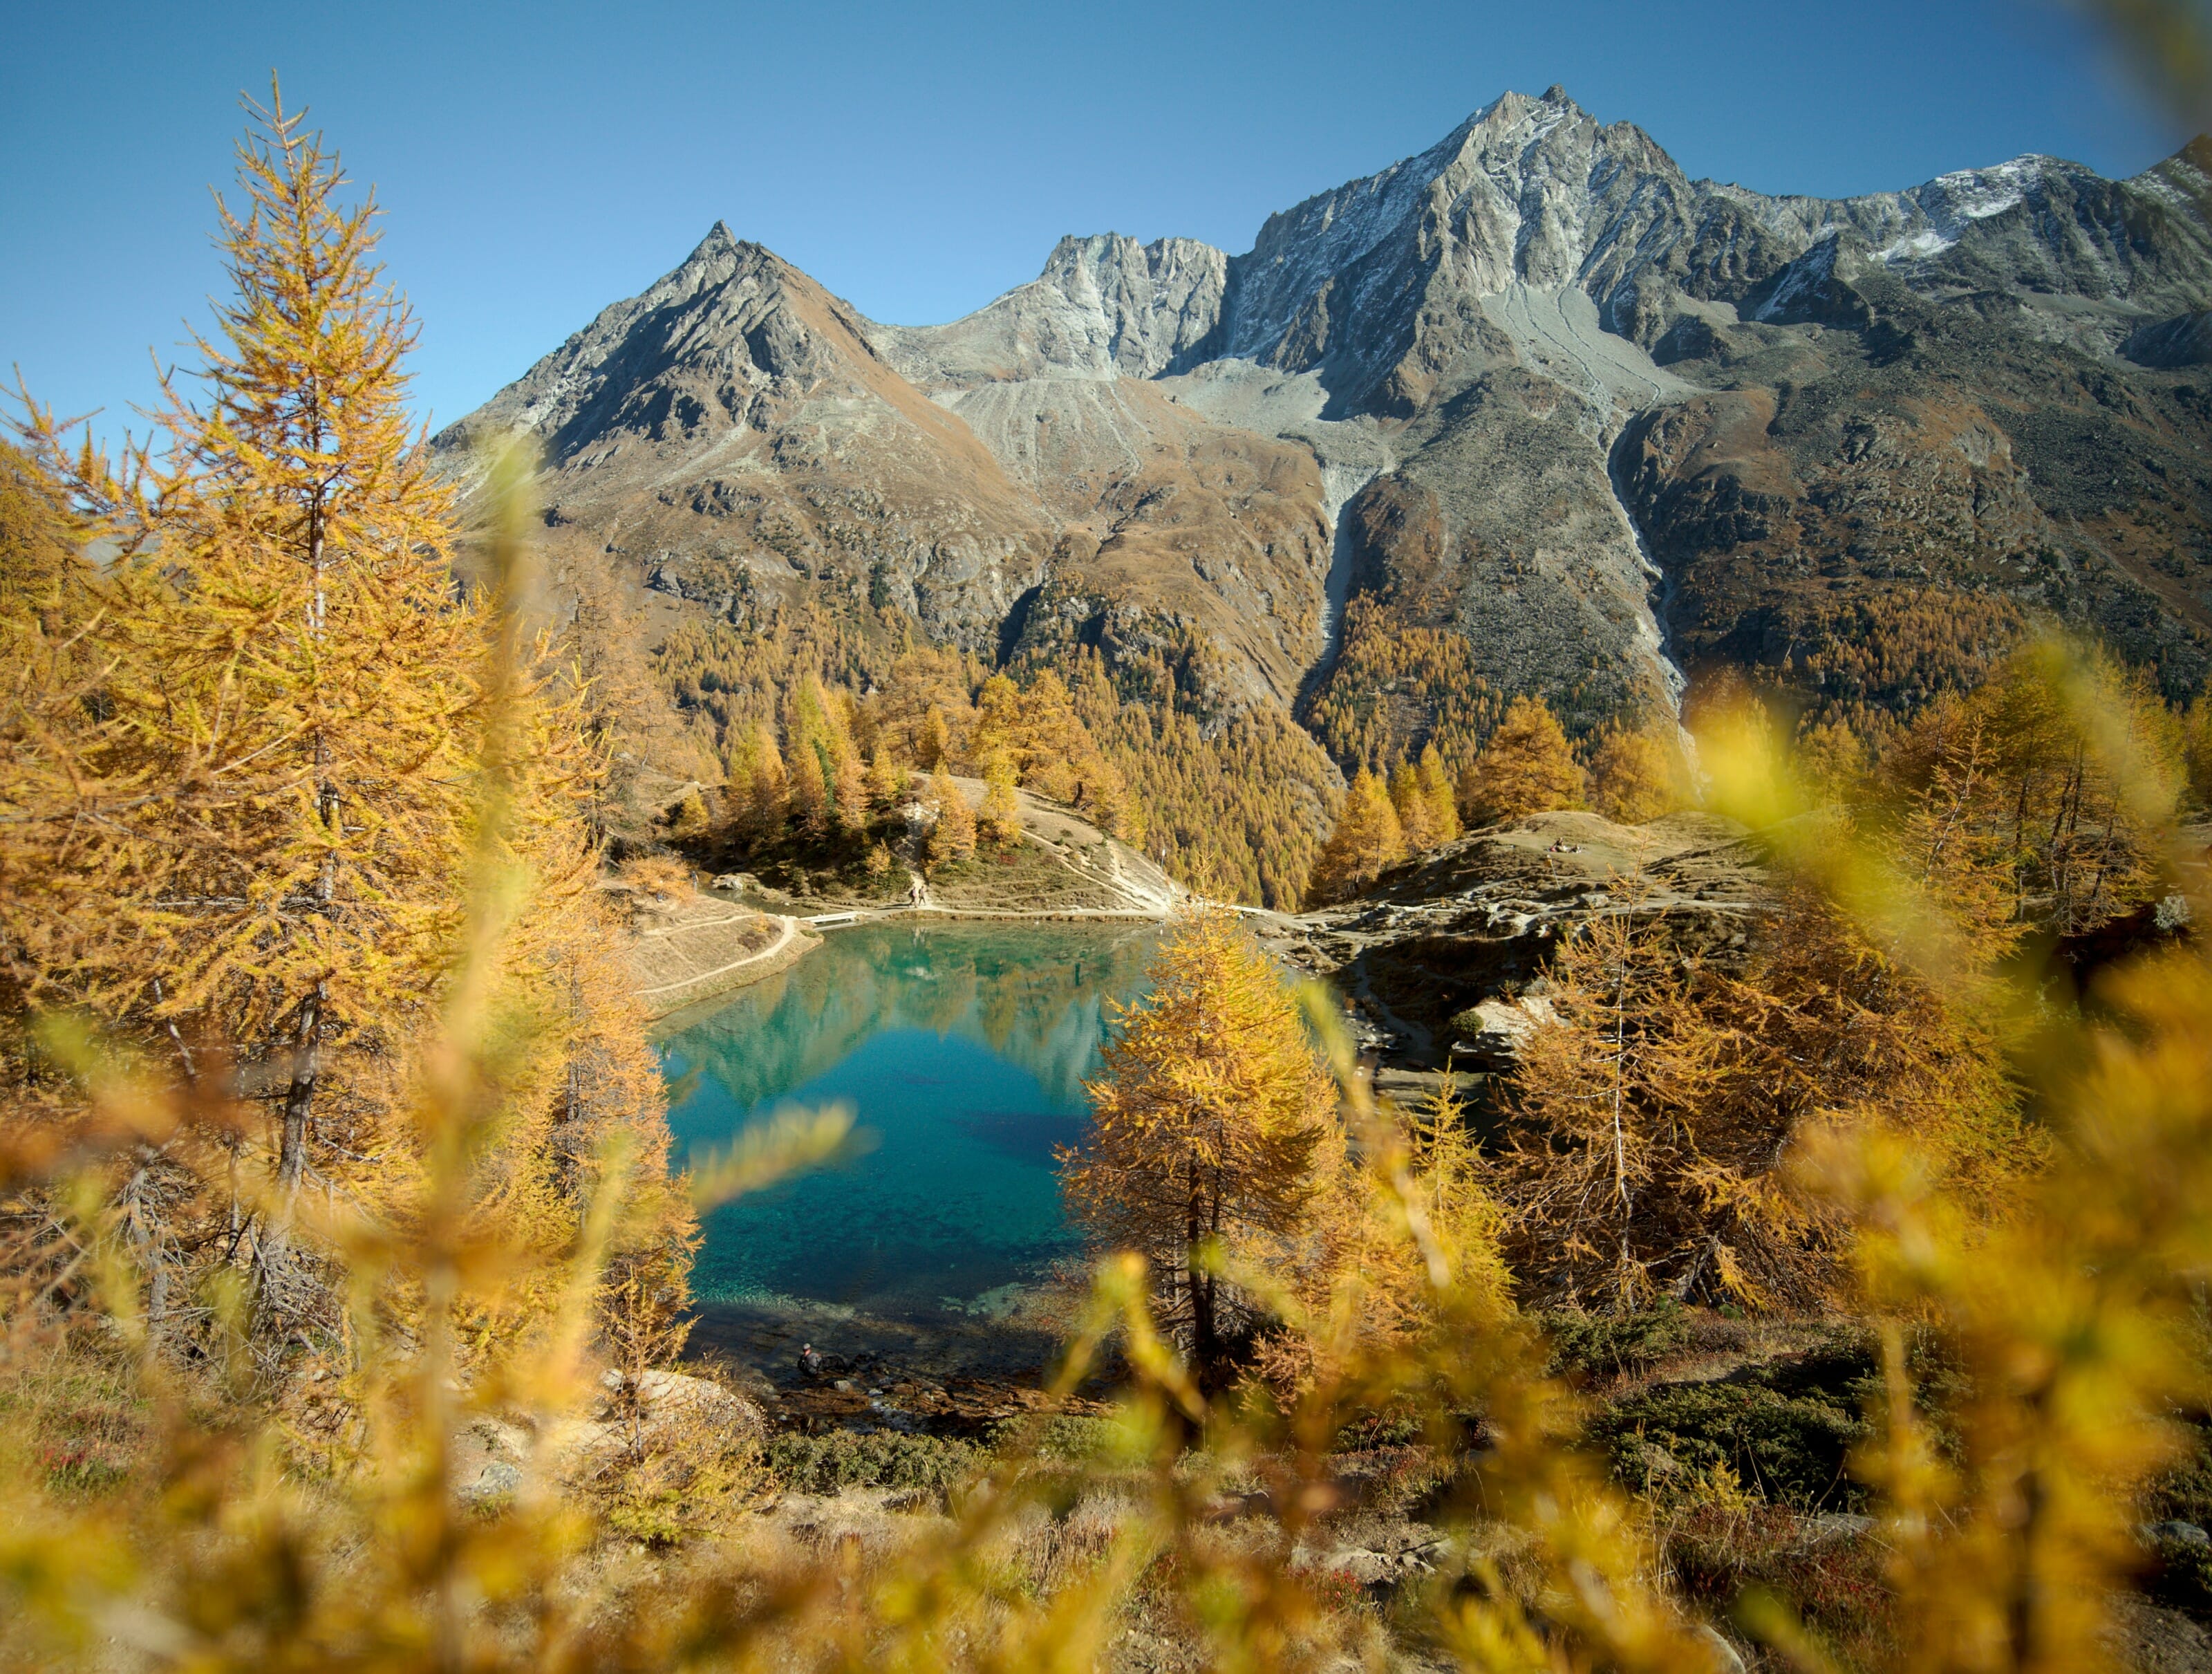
(962, 1048)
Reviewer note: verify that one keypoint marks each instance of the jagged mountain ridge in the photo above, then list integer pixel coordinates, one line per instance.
(1438, 393)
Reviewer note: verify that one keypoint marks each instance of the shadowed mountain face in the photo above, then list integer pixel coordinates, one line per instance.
(1534, 389)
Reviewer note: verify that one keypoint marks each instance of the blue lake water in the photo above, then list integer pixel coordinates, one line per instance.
(961, 1049)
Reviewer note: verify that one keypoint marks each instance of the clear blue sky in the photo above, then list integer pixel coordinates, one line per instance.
(535, 162)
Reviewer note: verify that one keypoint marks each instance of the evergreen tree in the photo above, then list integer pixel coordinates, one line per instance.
(1527, 767)
(1366, 843)
(1213, 1125)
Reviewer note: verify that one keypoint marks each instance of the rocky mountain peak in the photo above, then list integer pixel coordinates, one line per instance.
(1371, 285)
(1105, 307)
(730, 325)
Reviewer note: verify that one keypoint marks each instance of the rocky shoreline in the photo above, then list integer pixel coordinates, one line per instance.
(813, 1366)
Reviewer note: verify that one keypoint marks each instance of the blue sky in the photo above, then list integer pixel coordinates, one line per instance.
(539, 162)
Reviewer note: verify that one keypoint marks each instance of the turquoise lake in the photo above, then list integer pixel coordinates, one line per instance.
(962, 1050)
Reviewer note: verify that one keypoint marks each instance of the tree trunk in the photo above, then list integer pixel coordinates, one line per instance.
(1202, 1348)
(300, 1100)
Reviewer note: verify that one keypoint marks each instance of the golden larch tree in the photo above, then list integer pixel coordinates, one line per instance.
(1436, 791)
(1213, 1125)
(275, 802)
(1637, 774)
(758, 792)
(624, 715)
(999, 820)
(247, 863)
(1367, 841)
(1654, 1117)
(1417, 821)
(883, 780)
(952, 839)
(1527, 767)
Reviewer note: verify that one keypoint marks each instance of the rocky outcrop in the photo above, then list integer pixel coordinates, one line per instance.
(1444, 959)
(1105, 307)
(498, 1456)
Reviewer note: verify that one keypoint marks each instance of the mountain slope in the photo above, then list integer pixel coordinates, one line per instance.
(1530, 411)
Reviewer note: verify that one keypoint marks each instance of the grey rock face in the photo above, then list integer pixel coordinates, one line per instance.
(1105, 307)
(722, 320)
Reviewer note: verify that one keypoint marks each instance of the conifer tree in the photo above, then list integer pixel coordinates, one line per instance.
(1527, 767)
(808, 787)
(851, 793)
(620, 707)
(1655, 1114)
(760, 790)
(1000, 726)
(1436, 791)
(999, 820)
(1214, 1125)
(2069, 801)
(1832, 760)
(883, 780)
(280, 778)
(37, 537)
(936, 738)
(252, 857)
(1366, 843)
(952, 839)
(687, 821)
(1636, 776)
(1416, 822)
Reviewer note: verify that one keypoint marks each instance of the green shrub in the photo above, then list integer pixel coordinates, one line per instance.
(1785, 1431)
(847, 1459)
(2180, 1575)
(1607, 1344)
(1372, 1430)
(1065, 1436)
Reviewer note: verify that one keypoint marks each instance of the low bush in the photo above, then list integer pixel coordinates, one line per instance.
(1606, 1345)
(847, 1458)
(2182, 1493)
(1784, 1429)
(2180, 1575)
(1070, 1436)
